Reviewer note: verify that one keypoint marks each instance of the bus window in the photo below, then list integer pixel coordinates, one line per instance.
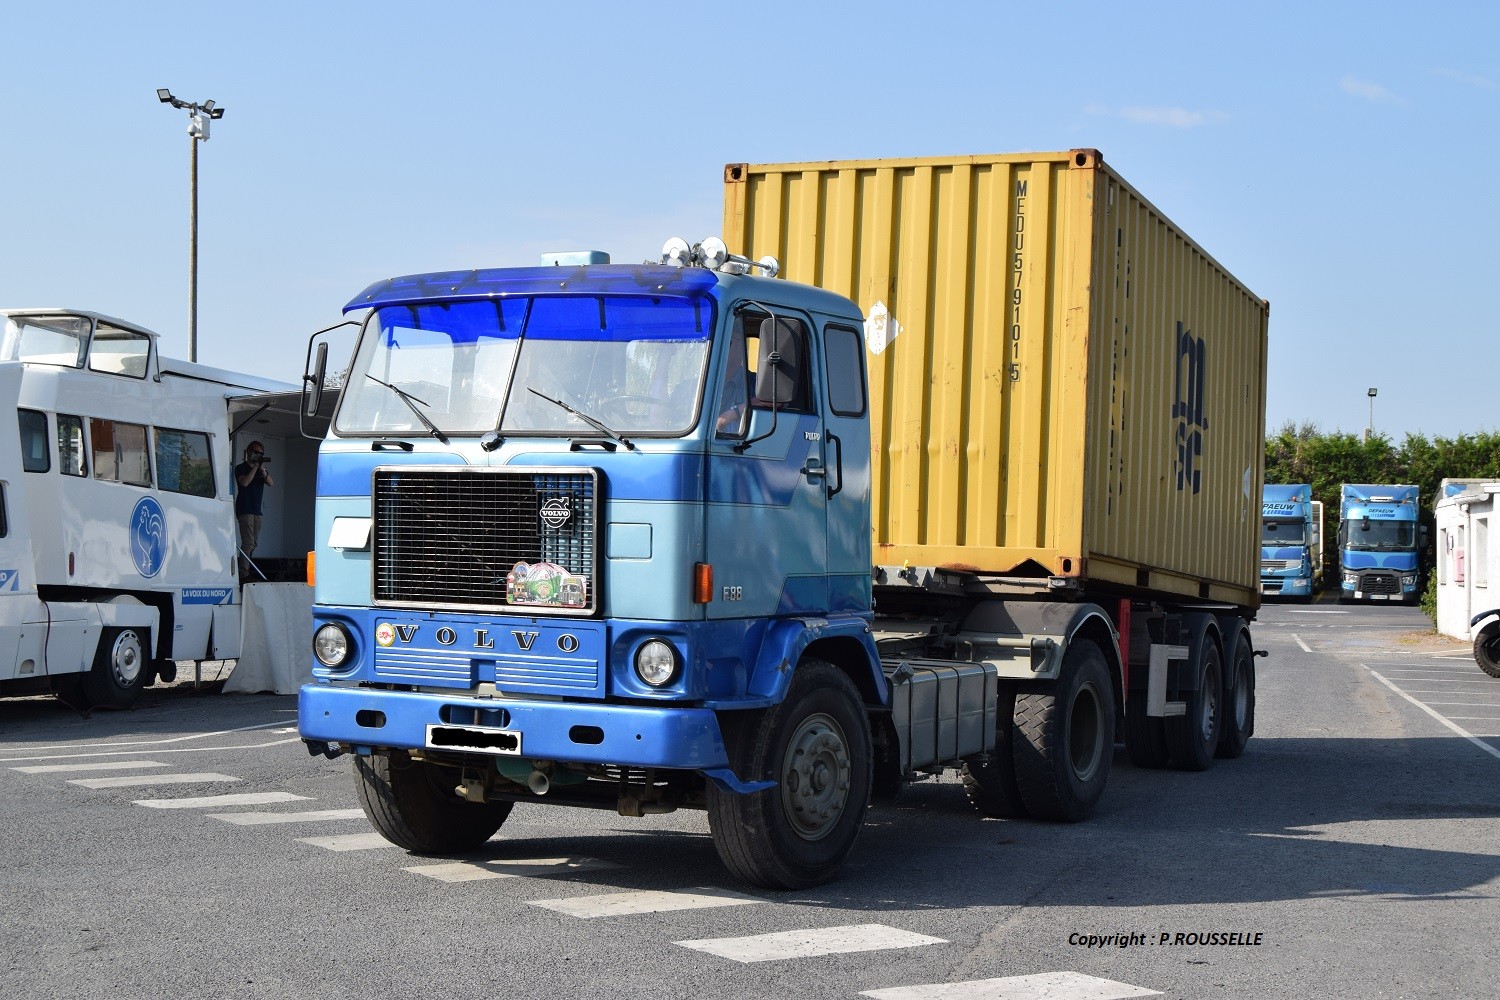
(120, 452)
(35, 457)
(70, 457)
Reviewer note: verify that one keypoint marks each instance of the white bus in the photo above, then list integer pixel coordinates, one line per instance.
(118, 537)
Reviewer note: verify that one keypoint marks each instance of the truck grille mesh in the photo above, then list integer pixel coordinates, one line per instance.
(450, 538)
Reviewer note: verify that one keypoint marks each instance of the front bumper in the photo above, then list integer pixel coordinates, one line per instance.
(568, 732)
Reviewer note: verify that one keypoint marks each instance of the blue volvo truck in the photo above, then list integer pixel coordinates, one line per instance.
(1379, 540)
(1291, 541)
(600, 535)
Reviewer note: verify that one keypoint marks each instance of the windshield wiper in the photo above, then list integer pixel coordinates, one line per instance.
(598, 425)
(411, 404)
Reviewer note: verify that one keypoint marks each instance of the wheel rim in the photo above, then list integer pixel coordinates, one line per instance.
(125, 658)
(815, 777)
(1209, 716)
(1085, 733)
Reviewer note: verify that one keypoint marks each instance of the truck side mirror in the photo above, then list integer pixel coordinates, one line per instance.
(778, 365)
(312, 382)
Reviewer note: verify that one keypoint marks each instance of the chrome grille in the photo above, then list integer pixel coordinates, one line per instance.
(449, 538)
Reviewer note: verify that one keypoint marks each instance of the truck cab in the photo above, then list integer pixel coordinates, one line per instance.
(577, 527)
(1379, 540)
(1291, 542)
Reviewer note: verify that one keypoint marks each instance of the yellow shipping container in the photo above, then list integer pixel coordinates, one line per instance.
(1063, 383)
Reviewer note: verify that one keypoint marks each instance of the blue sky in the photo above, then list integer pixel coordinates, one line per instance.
(1336, 157)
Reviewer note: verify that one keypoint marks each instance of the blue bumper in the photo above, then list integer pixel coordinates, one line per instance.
(569, 732)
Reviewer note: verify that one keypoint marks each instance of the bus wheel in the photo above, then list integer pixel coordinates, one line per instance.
(120, 668)
(1065, 737)
(816, 746)
(412, 803)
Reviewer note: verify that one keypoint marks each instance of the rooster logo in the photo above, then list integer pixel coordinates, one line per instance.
(148, 536)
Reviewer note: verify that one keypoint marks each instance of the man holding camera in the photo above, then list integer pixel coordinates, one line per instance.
(251, 476)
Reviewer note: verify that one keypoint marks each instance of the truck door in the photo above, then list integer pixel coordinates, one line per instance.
(767, 512)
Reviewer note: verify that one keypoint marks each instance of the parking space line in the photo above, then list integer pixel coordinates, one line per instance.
(1460, 730)
(1305, 647)
(103, 765)
(1043, 986)
(210, 801)
(811, 943)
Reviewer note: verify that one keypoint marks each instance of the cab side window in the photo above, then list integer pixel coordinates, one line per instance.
(35, 455)
(846, 371)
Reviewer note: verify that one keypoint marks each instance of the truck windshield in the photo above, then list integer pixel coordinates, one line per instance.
(1381, 536)
(1279, 531)
(632, 363)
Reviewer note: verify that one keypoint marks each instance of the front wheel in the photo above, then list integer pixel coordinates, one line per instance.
(816, 746)
(120, 669)
(1487, 649)
(414, 805)
(1065, 736)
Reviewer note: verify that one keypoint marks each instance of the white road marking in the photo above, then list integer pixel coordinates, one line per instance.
(261, 818)
(1475, 718)
(619, 904)
(474, 871)
(129, 780)
(126, 753)
(811, 943)
(348, 842)
(153, 743)
(212, 801)
(1310, 611)
(1460, 730)
(1305, 647)
(1043, 986)
(103, 765)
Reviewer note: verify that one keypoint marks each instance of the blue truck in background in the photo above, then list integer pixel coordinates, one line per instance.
(1291, 541)
(1379, 540)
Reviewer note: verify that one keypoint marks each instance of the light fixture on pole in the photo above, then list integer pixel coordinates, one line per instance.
(1370, 429)
(199, 115)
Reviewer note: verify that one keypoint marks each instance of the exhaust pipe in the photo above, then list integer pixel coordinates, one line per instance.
(538, 783)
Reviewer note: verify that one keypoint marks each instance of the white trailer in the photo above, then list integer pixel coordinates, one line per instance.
(118, 537)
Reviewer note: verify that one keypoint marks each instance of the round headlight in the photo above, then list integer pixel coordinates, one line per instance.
(331, 645)
(656, 662)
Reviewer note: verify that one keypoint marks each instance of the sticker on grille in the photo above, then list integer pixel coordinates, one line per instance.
(486, 538)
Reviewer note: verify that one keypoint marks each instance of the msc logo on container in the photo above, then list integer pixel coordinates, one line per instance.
(1187, 410)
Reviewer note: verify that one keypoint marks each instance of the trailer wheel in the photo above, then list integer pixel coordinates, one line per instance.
(1487, 649)
(1239, 704)
(1145, 735)
(120, 668)
(412, 804)
(1193, 737)
(1065, 736)
(990, 780)
(816, 746)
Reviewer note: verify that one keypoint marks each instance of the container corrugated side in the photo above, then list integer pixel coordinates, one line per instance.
(1062, 382)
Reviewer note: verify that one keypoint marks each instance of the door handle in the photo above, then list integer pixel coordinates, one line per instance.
(814, 469)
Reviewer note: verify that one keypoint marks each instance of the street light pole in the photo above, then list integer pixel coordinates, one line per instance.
(199, 116)
(1370, 428)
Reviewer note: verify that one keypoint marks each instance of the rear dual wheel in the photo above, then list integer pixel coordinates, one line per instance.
(1064, 737)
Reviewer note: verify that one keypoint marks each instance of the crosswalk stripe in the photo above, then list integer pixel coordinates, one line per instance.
(476, 871)
(811, 943)
(127, 781)
(211, 801)
(264, 818)
(103, 765)
(1044, 986)
(619, 904)
(348, 842)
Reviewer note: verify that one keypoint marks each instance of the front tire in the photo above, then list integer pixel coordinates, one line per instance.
(121, 668)
(1487, 649)
(1065, 737)
(412, 803)
(816, 746)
